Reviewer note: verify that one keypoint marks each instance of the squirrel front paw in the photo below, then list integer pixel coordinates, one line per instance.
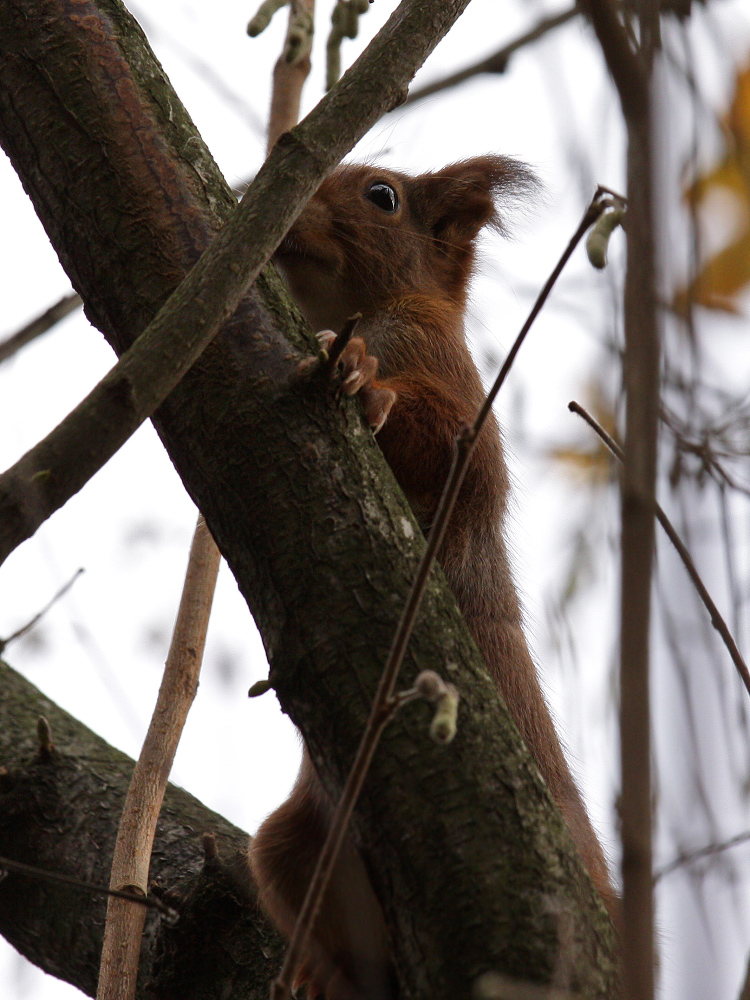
(357, 370)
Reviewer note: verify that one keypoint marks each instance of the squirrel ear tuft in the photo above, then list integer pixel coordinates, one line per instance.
(459, 200)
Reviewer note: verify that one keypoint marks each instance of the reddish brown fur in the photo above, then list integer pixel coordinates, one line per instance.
(407, 272)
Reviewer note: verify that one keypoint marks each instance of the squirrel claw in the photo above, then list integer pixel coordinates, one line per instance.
(325, 338)
(306, 366)
(357, 370)
(362, 375)
(377, 403)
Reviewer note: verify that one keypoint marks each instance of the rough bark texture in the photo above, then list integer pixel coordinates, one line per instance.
(470, 857)
(61, 813)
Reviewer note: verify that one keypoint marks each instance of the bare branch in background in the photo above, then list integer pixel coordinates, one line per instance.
(716, 619)
(293, 65)
(625, 65)
(688, 857)
(498, 62)
(30, 624)
(263, 16)
(40, 325)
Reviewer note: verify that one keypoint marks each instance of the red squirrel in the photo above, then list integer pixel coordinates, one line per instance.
(400, 250)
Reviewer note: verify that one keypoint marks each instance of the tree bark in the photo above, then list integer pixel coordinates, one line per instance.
(61, 813)
(467, 852)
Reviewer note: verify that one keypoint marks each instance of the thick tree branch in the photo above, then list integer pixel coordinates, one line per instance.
(61, 813)
(303, 507)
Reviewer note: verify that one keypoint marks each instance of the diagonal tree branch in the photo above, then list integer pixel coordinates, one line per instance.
(708, 602)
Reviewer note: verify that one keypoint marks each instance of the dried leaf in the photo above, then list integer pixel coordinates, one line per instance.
(724, 275)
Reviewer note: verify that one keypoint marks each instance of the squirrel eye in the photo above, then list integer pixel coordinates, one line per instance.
(382, 195)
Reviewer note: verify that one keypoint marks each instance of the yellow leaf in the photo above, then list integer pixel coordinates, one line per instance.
(724, 275)
(591, 465)
(720, 280)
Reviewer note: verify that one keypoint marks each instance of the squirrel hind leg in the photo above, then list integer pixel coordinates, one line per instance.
(348, 956)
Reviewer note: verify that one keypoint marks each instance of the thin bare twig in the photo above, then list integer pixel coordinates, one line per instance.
(135, 836)
(31, 871)
(32, 622)
(702, 852)
(498, 61)
(384, 702)
(40, 325)
(716, 619)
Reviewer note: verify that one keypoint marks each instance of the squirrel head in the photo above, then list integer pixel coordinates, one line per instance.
(370, 236)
